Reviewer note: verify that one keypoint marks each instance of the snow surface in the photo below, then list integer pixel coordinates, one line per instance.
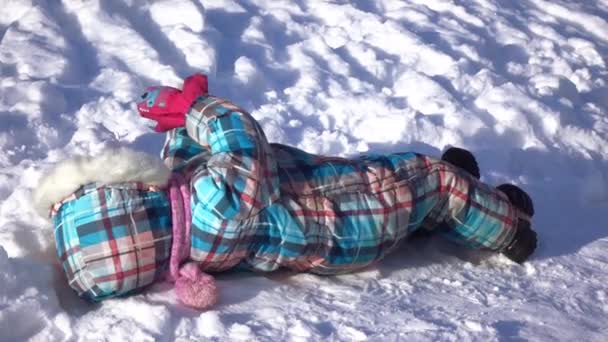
(523, 84)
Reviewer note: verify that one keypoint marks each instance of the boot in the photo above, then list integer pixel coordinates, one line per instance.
(463, 159)
(523, 244)
(518, 198)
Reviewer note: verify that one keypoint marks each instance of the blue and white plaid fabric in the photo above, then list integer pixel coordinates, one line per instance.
(113, 239)
(265, 206)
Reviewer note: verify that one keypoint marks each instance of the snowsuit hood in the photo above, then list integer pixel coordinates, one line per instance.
(109, 167)
(112, 221)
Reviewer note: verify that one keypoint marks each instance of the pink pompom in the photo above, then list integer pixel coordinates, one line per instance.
(195, 288)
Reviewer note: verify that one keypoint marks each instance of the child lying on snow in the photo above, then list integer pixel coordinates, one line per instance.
(230, 199)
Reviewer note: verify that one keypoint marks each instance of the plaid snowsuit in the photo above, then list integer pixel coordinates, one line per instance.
(263, 206)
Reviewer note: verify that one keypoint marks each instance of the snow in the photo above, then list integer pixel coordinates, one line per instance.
(524, 85)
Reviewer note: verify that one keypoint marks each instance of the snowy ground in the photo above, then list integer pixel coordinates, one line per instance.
(524, 84)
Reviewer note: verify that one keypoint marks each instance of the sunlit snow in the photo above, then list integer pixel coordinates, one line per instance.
(523, 84)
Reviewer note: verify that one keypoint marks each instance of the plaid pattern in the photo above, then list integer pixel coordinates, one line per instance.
(237, 182)
(113, 239)
(82, 189)
(266, 206)
(181, 153)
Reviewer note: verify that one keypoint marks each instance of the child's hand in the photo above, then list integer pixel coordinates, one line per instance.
(168, 106)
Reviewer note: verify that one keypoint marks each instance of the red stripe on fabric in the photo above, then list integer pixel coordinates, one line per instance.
(250, 200)
(456, 192)
(480, 207)
(215, 245)
(126, 273)
(369, 211)
(384, 220)
(111, 241)
(444, 186)
(425, 162)
(137, 251)
(464, 197)
(69, 252)
(493, 214)
(315, 213)
(459, 194)
(441, 179)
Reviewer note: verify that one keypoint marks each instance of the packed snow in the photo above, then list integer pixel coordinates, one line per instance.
(522, 84)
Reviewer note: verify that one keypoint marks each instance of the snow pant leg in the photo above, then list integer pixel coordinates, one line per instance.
(461, 207)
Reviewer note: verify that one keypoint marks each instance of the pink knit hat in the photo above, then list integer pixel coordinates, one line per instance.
(194, 288)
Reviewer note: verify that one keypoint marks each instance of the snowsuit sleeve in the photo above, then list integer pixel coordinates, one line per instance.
(237, 182)
(180, 150)
(241, 168)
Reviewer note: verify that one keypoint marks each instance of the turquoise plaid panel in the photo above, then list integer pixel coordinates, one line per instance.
(112, 240)
(265, 206)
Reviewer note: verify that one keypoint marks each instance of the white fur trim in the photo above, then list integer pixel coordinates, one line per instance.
(111, 166)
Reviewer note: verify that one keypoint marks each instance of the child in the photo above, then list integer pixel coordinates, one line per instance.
(234, 200)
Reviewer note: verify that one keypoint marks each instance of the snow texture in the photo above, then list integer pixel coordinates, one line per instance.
(523, 84)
